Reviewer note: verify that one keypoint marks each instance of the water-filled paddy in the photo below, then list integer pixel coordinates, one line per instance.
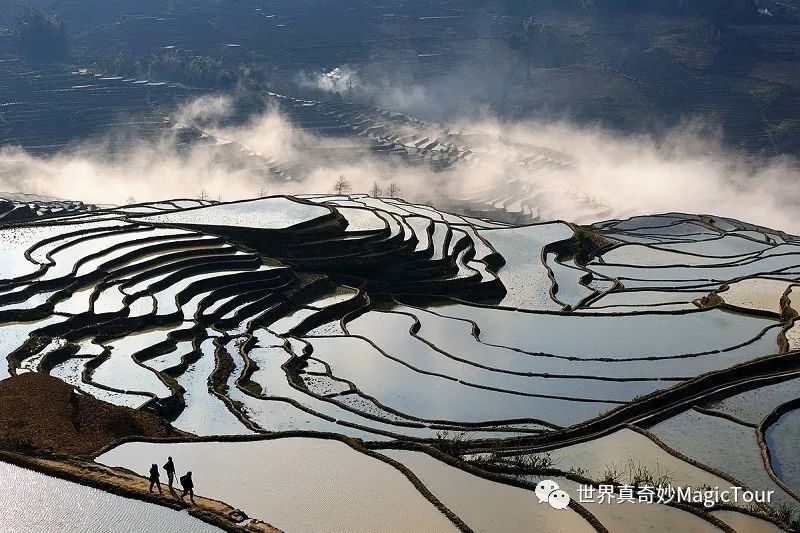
(362, 220)
(68, 259)
(71, 371)
(744, 523)
(524, 275)
(33, 503)
(682, 229)
(643, 222)
(793, 333)
(568, 288)
(32, 302)
(723, 247)
(378, 370)
(340, 295)
(205, 413)
(109, 299)
(121, 372)
(16, 241)
(78, 302)
(438, 397)
(284, 325)
(439, 238)
(274, 383)
(296, 484)
(268, 213)
(390, 332)
(168, 239)
(783, 440)
(756, 293)
(14, 334)
(649, 256)
(646, 298)
(171, 359)
(454, 336)
(759, 266)
(166, 298)
(635, 336)
(420, 227)
(615, 452)
(487, 505)
(754, 405)
(708, 439)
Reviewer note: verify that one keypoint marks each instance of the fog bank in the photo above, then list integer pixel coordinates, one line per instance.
(687, 170)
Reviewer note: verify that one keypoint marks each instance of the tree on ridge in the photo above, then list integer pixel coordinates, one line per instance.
(342, 185)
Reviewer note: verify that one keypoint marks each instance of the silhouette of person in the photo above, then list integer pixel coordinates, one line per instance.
(154, 478)
(169, 468)
(188, 486)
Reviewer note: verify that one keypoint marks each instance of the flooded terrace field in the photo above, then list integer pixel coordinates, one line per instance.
(341, 354)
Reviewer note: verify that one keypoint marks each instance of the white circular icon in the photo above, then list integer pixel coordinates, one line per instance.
(544, 488)
(558, 499)
(548, 491)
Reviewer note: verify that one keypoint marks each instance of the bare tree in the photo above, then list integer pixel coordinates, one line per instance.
(130, 200)
(342, 185)
(263, 192)
(376, 189)
(394, 190)
(203, 194)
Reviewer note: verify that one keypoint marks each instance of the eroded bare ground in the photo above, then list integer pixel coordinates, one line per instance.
(465, 356)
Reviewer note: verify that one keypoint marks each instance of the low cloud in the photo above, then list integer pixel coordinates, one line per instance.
(396, 92)
(688, 170)
(590, 170)
(340, 80)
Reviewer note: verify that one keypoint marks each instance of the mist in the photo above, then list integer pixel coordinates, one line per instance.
(687, 170)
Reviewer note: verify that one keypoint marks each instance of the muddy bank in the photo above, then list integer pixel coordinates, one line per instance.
(40, 413)
(124, 483)
(48, 427)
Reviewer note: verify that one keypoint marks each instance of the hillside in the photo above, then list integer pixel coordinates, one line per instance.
(37, 413)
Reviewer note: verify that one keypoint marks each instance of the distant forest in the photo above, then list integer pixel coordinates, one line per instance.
(41, 36)
(717, 9)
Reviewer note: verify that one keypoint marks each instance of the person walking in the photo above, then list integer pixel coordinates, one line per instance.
(169, 468)
(188, 486)
(154, 478)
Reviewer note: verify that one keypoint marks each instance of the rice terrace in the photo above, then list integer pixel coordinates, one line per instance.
(507, 266)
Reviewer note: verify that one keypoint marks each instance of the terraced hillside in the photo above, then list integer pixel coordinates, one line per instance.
(98, 114)
(20, 207)
(469, 357)
(628, 70)
(523, 190)
(48, 108)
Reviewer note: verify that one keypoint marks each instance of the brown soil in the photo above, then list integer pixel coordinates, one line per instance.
(41, 413)
(47, 427)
